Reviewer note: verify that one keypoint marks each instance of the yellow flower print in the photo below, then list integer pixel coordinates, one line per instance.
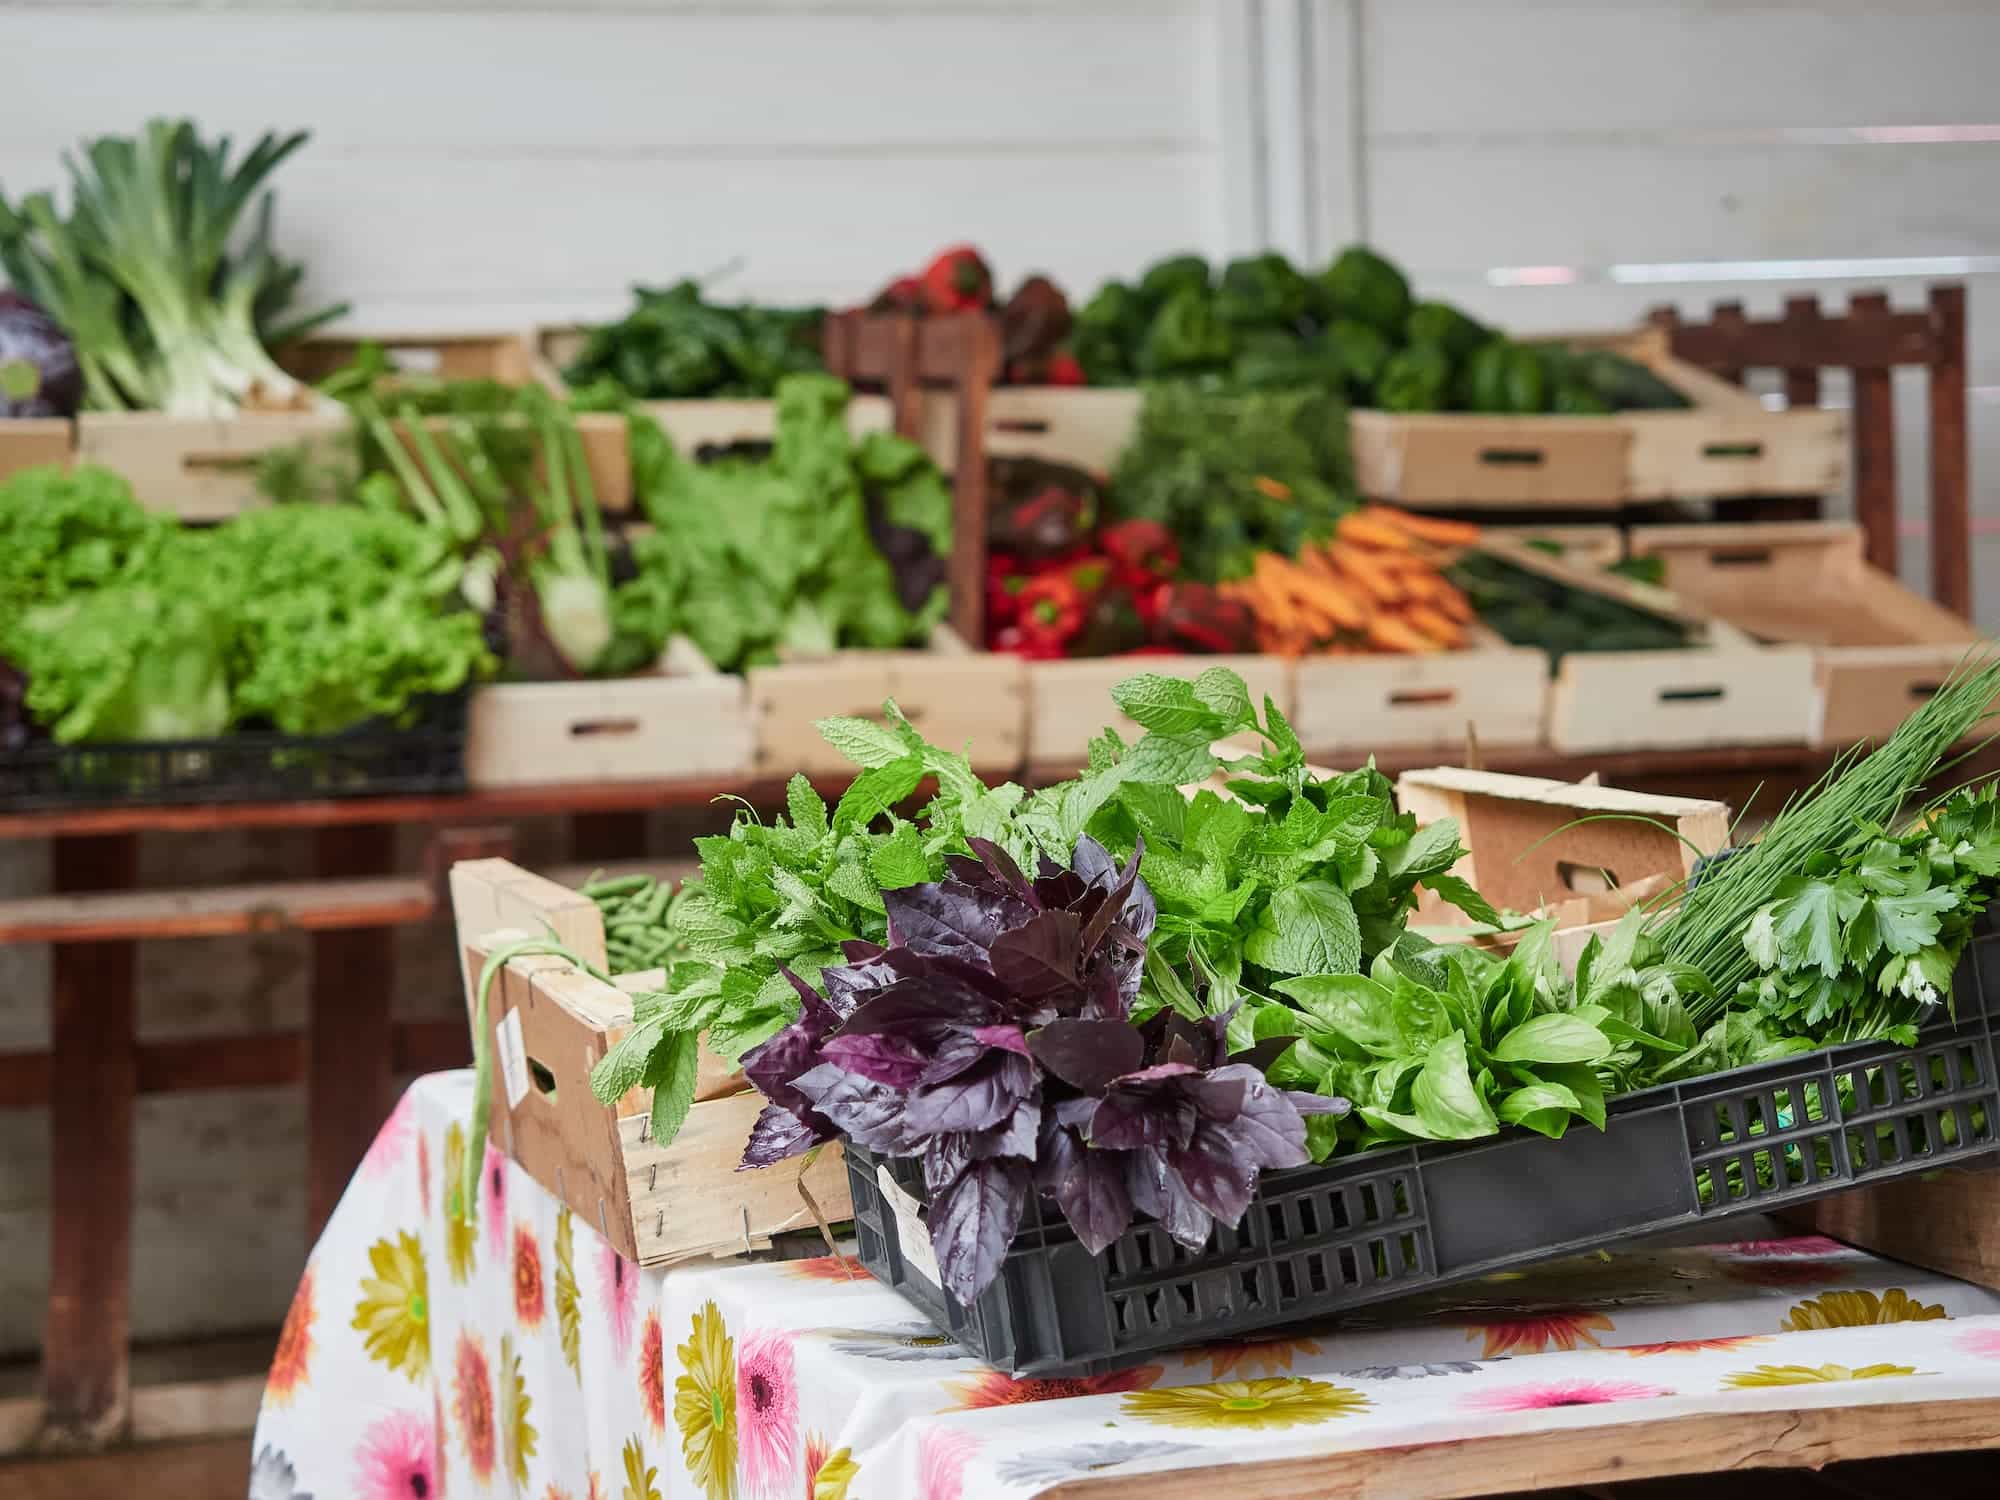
(835, 1475)
(517, 1435)
(1765, 1375)
(569, 1307)
(705, 1403)
(1859, 1310)
(394, 1312)
(461, 1239)
(638, 1477)
(1246, 1403)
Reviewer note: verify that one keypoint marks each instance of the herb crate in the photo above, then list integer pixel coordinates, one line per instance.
(1879, 651)
(1067, 700)
(1729, 692)
(960, 699)
(29, 442)
(1493, 694)
(1324, 1239)
(426, 758)
(550, 1023)
(683, 720)
(1724, 443)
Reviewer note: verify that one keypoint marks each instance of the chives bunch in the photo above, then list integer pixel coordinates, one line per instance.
(1837, 816)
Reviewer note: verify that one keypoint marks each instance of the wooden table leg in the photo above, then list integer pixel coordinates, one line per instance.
(94, 1070)
(350, 1040)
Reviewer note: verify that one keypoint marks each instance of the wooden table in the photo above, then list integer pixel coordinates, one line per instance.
(352, 1049)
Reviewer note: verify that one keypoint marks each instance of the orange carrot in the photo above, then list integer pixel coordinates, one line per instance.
(1366, 572)
(1387, 633)
(1367, 531)
(1427, 528)
(1445, 631)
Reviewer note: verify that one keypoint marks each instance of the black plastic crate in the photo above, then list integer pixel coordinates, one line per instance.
(1367, 1228)
(370, 760)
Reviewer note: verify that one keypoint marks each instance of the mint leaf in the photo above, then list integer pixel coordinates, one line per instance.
(1309, 928)
(1278, 729)
(863, 741)
(875, 791)
(899, 860)
(1431, 850)
(1167, 705)
(853, 883)
(1228, 697)
(1454, 891)
(1168, 759)
(806, 807)
(671, 1073)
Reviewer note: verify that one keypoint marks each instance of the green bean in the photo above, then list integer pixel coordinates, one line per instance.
(616, 885)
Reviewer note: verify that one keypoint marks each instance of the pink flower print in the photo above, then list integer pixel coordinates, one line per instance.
(389, 1143)
(1563, 1393)
(942, 1454)
(620, 1280)
(1797, 1245)
(767, 1413)
(1983, 1343)
(398, 1459)
(493, 1199)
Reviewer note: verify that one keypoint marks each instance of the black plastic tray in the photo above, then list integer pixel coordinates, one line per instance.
(371, 760)
(1389, 1222)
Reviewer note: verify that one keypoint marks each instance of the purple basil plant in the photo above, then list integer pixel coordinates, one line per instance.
(992, 1039)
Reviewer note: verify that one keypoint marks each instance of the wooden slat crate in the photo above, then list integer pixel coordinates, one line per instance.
(30, 442)
(206, 470)
(1528, 846)
(656, 1205)
(1879, 650)
(959, 699)
(1069, 702)
(1361, 705)
(685, 720)
(1731, 692)
(1062, 424)
(1726, 443)
(1945, 1221)
(1581, 546)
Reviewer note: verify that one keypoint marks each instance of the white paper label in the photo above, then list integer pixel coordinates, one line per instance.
(513, 1058)
(911, 1231)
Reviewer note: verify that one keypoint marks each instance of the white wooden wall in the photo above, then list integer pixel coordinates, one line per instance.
(479, 165)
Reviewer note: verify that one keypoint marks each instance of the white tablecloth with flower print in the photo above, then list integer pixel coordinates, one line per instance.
(426, 1356)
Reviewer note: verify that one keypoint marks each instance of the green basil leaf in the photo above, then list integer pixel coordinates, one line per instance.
(1555, 1038)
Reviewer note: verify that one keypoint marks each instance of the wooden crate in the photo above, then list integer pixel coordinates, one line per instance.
(1731, 692)
(206, 470)
(1354, 706)
(1725, 443)
(1945, 1221)
(683, 721)
(550, 1025)
(960, 699)
(30, 442)
(1085, 426)
(1069, 702)
(1879, 650)
(1582, 546)
(1528, 847)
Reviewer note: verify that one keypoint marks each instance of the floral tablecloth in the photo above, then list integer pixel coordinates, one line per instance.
(425, 1356)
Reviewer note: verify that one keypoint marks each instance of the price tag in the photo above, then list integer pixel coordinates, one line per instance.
(513, 1058)
(911, 1231)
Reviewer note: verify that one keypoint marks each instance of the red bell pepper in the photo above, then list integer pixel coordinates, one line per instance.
(1005, 578)
(1143, 552)
(957, 281)
(1196, 618)
(1090, 574)
(904, 294)
(1063, 368)
(1052, 612)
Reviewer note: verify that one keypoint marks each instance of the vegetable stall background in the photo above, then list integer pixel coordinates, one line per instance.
(1547, 164)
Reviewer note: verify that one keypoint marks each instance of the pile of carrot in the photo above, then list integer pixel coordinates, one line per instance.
(1377, 585)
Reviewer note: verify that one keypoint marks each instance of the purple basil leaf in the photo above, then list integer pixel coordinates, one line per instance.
(1060, 891)
(949, 917)
(954, 1052)
(1134, 1115)
(1265, 1130)
(945, 1159)
(774, 1064)
(1142, 912)
(1087, 1054)
(855, 951)
(1262, 1054)
(779, 1134)
(1112, 908)
(1093, 864)
(1017, 1137)
(880, 1059)
(976, 1099)
(1046, 868)
(1216, 1097)
(967, 870)
(871, 1113)
(1181, 1051)
(973, 1223)
(1039, 958)
(1318, 1104)
(1006, 1038)
(1112, 989)
(924, 1004)
(1213, 1174)
(1181, 1213)
(1003, 869)
(1075, 1112)
(1088, 1186)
